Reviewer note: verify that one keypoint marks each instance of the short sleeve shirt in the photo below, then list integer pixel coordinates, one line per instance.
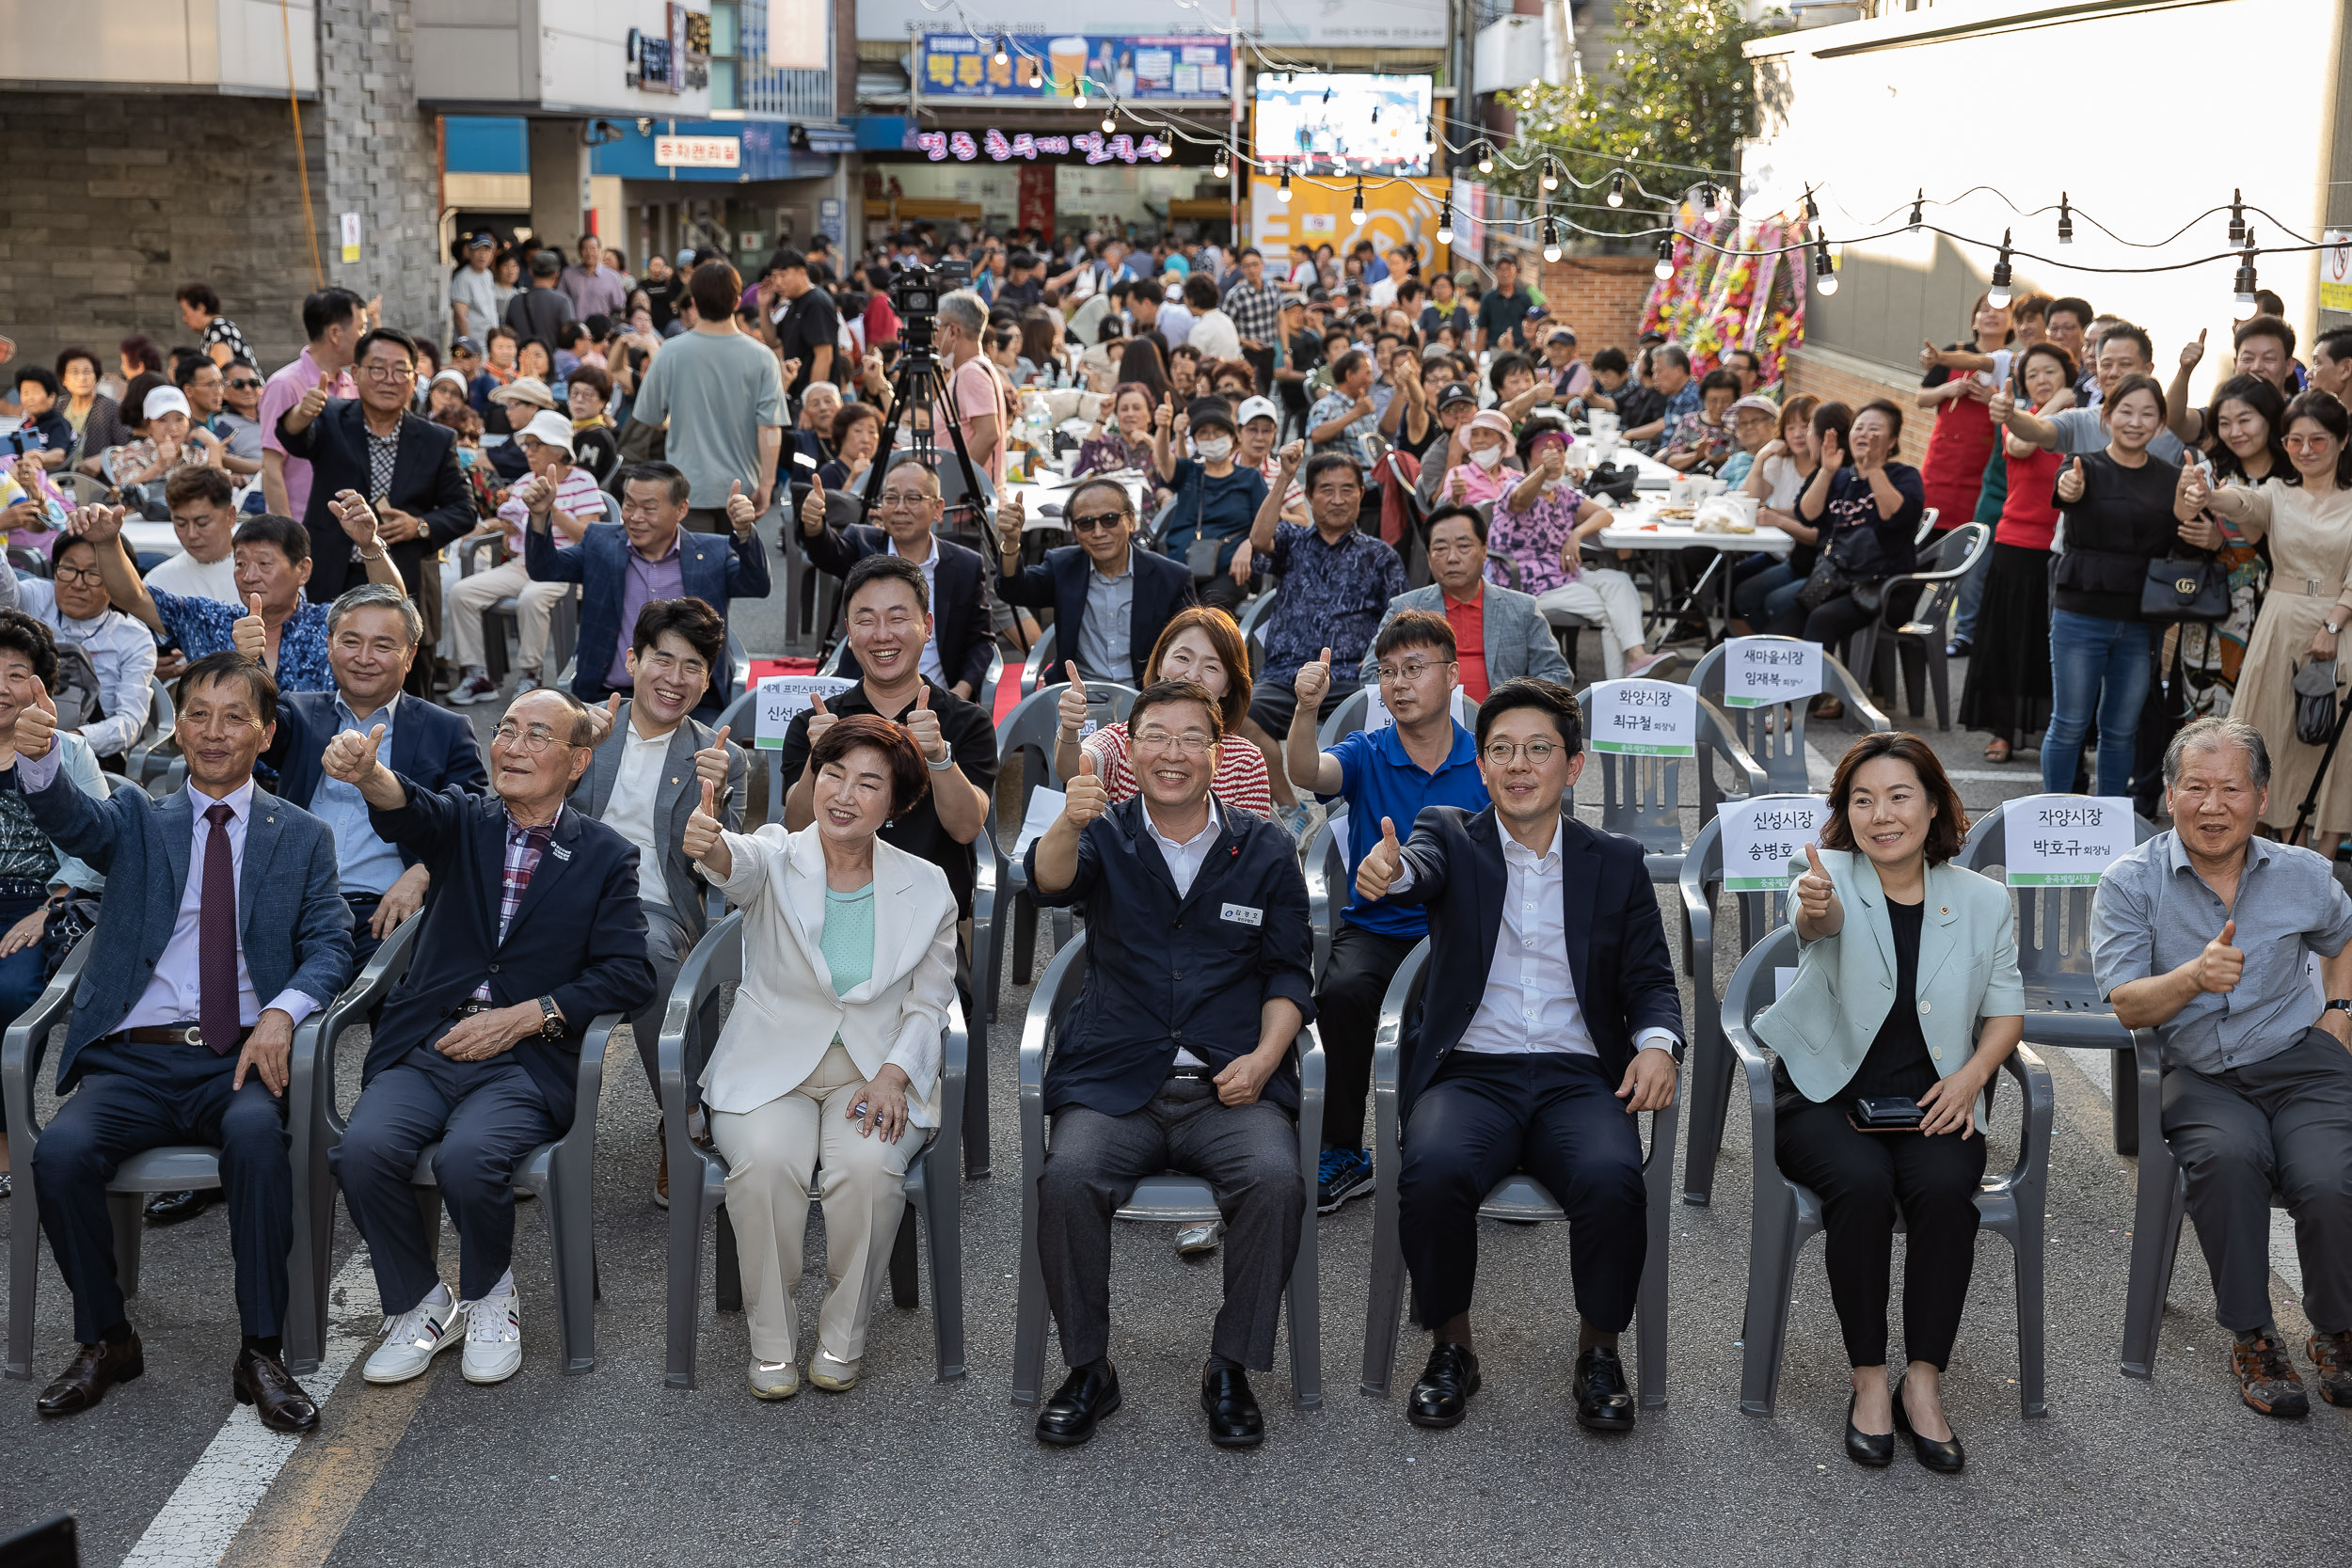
(718, 392)
(1377, 779)
(976, 393)
(1333, 596)
(202, 626)
(279, 393)
(1501, 316)
(812, 321)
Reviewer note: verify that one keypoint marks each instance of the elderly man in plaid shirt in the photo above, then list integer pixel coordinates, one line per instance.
(1255, 302)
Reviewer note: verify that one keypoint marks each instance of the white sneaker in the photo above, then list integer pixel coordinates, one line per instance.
(834, 1377)
(774, 1380)
(412, 1339)
(526, 683)
(476, 687)
(494, 1338)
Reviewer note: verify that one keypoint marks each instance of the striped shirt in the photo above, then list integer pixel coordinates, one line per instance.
(524, 845)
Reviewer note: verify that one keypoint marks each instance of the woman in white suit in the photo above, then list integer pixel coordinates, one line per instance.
(1907, 993)
(831, 1057)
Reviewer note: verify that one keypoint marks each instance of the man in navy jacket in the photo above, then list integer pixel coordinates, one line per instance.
(649, 555)
(1136, 591)
(532, 928)
(962, 627)
(1179, 1053)
(1549, 1017)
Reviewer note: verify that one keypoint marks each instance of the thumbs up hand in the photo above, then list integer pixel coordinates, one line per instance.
(2220, 964)
(1072, 703)
(712, 764)
(742, 512)
(2193, 354)
(36, 726)
(350, 756)
(1312, 681)
(2001, 404)
(702, 825)
(2070, 485)
(1011, 516)
(818, 720)
(1382, 865)
(923, 725)
(1084, 797)
(1817, 898)
(247, 633)
(601, 719)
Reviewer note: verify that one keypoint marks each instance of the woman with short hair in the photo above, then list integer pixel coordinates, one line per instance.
(832, 1054)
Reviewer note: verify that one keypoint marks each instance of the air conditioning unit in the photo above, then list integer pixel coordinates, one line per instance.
(1510, 53)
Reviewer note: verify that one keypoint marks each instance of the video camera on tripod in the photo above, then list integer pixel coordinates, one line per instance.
(914, 293)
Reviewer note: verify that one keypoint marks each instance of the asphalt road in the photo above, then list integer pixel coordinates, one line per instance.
(613, 1467)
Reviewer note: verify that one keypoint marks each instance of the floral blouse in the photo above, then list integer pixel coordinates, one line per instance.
(1536, 537)
(1112, 449)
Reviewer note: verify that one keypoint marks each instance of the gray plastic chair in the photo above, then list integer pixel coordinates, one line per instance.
(1774, 734)
(1517, 1196)
(1171, 1197)
(689, 1029)
(562, 1173)
(2062, 1003)
(1042, 659)
(1787, 1215)
(1919, 638)
(1642, 797)
(1327, 885)
(1711, 1064)
(169, 1169)
(144, 760)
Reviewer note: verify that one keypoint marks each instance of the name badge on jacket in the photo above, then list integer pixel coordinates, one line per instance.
(1242, 914)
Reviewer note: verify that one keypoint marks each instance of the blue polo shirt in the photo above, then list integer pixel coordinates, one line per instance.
(1379, 779)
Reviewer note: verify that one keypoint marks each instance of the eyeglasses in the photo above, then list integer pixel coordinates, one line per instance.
(1105, 521)
(1191, 743)
(88, 576)
(389, 373)
(1412, 669)
(903, 497)
(531, 742)
(1501, 753)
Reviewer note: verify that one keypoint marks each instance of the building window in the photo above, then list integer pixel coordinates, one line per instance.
(723, 43)
(723, 94)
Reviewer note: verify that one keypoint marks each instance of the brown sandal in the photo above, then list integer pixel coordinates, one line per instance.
(1996, 752)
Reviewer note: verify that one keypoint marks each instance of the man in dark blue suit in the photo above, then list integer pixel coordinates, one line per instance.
(1110, 601)
(649, 555)
(222, 929)
(532, 928)
(962, 630)
(1549, 1015)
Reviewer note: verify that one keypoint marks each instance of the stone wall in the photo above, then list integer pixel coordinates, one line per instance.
(1599, 297)
(382, 163)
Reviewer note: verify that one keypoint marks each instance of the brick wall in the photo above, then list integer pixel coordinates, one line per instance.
(381, 162)
(1835, 377)
(1599, 296)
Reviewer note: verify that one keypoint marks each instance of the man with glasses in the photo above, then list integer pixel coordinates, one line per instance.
(205, 386)
(647, 556)
(1180, 1053)
(956, 578)
(1549, 1017)
(72, 601)
(1419, 757)
(651, 761)
(1498, 634)
(1110, 601)
(241, 414)
(403, 464)
(535, 930)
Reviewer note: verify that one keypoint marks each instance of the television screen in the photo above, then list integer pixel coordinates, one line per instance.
(1344, 124)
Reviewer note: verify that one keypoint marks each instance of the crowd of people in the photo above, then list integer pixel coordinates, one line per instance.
(614, 445)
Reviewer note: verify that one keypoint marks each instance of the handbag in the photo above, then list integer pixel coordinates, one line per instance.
(2195, 588)
(2315, 702)
(1828, 582)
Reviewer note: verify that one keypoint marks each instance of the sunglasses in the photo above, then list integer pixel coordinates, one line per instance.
(1103, 522)
(243, 382)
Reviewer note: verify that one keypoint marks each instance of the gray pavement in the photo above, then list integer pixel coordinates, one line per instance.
(613, 1468)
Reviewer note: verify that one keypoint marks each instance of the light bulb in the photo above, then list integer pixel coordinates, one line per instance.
(1999, 294)
(1111, 121)
(1375, 114)
(1825, 269)
(1711, 210)
(1665, 267)
(1617, 189)
(1551, 242)
(1081, 99)
(1002, 57)
(1037, 77)
(1551, 176)
(2243, 305)
(1285, 192)
(1224, 169)
(1445, 216)
(1486, 158)
(2066, 221)
(1355, 214)
(1917, 204)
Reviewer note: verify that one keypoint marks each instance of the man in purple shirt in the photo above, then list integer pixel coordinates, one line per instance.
(334, 319)
(593, 287)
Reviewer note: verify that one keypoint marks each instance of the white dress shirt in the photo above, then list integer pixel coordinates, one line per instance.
(1185, 861)
(629, 810)
(928, 665)
(1529, 1001)
(123, 654)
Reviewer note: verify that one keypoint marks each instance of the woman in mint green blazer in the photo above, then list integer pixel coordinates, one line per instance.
(1907, 988)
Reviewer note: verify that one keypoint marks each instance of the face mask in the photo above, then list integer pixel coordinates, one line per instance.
(1216, 449)
(1489, 458)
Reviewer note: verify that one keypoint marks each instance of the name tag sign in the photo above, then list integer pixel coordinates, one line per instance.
(1645, 719)
(1760, 671)
(1377, 716)
(1044, 806)
(1242, 914)
(2066, 840)
(784, 698)
(1761, 836)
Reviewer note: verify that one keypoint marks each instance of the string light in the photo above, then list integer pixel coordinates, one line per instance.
(1551, 175)
(1710, 208)
(1356, 216)
(1551, 241)
(1081, 99)
(2066, 221)
(1224, 166)
(1917, 203)
(1617, 189)
(1036, 74)
(1285, 192)
(1445, 216)
(2243, 304)
(1999, 296)
(1002, 55)
(1665, 267)
(2237, 216)
(1824, 268)
(1485, 157)
(1110, 121)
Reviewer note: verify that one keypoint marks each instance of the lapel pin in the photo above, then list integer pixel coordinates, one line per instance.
(1944, 909)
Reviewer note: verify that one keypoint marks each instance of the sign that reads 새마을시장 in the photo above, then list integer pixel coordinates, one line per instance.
(1761, 671)
(1649, 718)
(1762, 835)
(2065, 840)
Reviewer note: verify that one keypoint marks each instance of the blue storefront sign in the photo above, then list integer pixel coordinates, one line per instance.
(765, 152)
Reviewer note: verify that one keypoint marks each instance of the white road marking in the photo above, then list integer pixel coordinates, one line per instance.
(224, 1487)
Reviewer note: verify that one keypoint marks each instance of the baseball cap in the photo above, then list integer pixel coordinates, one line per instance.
(1560, 335)
(1455, 396)
(167, 400)
(1761, 405)
(550, 429)
(525, 388)
(466, 345)
(454, 378)
(685, 257)
(1256, 409)
(484, 241)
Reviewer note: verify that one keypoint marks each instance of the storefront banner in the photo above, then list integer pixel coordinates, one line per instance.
(1000, 147)
(1175, 70)
(1396, 211)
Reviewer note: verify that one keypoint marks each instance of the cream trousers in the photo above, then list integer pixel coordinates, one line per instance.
(772, 1154)
(1605, 595)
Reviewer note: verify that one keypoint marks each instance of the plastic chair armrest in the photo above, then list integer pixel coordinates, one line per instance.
(26, 1043)
(373, 984)
(2033, 1144)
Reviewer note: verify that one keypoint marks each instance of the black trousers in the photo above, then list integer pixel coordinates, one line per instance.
(135, 1098)
(1555, 1116)
(1865, 1180)
(1348, 1019)
(1840, 618)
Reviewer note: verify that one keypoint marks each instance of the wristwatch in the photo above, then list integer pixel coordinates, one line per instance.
(2333, 627)
(2339, 1004)
(942, 764)
(550, 1021)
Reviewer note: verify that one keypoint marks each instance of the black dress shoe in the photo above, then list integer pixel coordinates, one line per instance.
(1442, 1395)
(1603, 1403)
(1234, 1420)
(94, 1369)
(264, 1383)
(179, 1207)
(1942, 1455)
(1087, 1395)
(1876, 1449)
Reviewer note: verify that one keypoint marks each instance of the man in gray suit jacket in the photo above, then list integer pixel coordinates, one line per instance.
(1514, 639)
(646, 779)
(223, 928)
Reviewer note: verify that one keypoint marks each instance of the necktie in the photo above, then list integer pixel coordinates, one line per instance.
(216, 937)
